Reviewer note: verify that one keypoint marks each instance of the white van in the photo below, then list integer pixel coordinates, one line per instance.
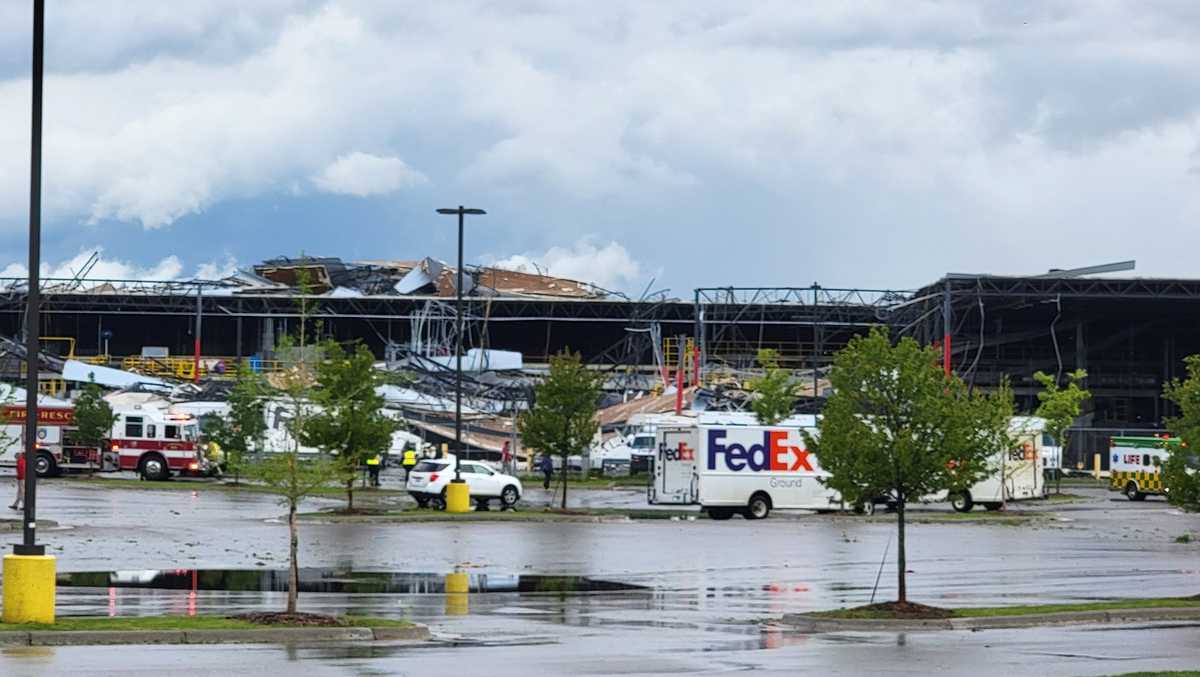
(1014, 475)
(729, 467)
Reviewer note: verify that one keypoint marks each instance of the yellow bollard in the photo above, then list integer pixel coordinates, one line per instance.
(29, 586)
(458, 582)
(1096, 465)
(457, 599)
(458, 496)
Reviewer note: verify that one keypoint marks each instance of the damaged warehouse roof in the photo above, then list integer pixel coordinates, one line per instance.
(424, 277)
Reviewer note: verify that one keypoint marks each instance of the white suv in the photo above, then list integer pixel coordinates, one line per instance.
(428, 479)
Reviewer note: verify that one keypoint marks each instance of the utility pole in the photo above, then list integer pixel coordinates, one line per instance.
(458, 498)
(196, 347)
(947, 328)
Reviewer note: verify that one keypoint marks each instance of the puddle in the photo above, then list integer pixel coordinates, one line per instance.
(331, 580)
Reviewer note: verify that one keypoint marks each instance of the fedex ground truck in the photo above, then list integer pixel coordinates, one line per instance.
(728, 468)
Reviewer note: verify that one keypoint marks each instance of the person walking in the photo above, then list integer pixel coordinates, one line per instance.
(374, 465)
(410, 460)
(547, 468)
(20, 501)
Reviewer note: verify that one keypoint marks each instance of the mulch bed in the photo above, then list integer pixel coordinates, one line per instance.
(907, 610)
(284, 618)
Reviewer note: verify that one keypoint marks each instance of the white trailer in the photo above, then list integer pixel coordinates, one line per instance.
(727, 468)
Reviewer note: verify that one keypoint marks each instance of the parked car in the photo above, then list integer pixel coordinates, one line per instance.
(428, 479)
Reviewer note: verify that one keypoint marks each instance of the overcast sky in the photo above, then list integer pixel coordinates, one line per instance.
(867, 144)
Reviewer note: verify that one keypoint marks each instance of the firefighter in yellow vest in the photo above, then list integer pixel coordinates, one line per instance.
(410, 460)
(374, 465)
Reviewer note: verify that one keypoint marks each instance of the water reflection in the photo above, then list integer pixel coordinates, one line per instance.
(335, 581)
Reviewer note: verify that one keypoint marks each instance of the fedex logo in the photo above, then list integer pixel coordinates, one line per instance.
(773, 454)
(682, 453)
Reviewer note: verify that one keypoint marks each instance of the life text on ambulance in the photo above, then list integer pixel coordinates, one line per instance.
(1135, 465)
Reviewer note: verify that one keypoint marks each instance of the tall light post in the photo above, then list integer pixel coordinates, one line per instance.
(458, 498)
(28, 572)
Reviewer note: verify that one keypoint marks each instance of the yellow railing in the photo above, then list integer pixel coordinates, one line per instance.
(54, 387)
(185, 367)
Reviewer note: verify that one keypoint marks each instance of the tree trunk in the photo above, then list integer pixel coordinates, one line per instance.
(350, 495)
(293, 557)
(564, 478)
(901, 564)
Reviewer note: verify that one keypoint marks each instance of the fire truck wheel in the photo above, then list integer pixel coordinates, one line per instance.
(44, 465)
(961, 502)
(758, 507)
(720, 513)
(1132, 493)
(154, 467)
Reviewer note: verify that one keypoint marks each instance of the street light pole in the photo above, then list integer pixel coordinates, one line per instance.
(29, 544)
(458, 345)
(29, 580)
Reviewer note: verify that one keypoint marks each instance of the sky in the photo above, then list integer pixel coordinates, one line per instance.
(667, 144)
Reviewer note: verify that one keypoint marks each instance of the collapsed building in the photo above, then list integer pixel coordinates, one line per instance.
(1130, 334)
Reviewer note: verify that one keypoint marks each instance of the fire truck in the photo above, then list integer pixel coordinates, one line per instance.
(154, 441)
(57, 451)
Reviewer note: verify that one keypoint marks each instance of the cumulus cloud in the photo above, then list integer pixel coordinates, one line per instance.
(217, 270)
(832, 131)
(362, 175)
(609, 265)
(167, 268)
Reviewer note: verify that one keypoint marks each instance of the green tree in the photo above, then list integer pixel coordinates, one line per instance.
(349, 422)
(562, 420)
(294, 478)
(897, 427)
(1060, 406)
(94, 417)
(774, 392)
(1180, 472)
(289, 474)
(240, 431)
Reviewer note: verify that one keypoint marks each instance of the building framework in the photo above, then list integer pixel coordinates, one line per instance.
(1130, 334)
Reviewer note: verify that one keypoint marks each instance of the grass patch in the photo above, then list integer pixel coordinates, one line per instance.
(1186, 538)
(1173, 673)
(1082, 481)
(1065, 497)
(331, 491)
(591, 482)
(1026, 610)
(78, 623)
(538, 515)
(973, 517)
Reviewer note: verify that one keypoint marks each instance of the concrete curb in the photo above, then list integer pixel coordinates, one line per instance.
(809, 623)
(411, 633)
(415, 632)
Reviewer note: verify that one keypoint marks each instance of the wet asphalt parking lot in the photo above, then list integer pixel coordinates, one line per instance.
(708, 592)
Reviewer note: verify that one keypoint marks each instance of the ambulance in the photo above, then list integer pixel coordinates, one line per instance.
(727, 464)
(1135, 465)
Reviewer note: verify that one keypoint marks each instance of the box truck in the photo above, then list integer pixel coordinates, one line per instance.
(729, 467)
